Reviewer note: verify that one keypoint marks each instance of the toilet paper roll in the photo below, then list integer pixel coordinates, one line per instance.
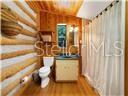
(24, 80)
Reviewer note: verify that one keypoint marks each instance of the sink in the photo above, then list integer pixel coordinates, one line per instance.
(67, 56)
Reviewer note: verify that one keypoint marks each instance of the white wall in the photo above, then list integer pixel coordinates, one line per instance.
(91, 8)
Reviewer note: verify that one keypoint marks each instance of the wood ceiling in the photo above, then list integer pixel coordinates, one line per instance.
(65, 7)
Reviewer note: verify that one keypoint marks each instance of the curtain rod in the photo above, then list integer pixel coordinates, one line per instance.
(105, 9)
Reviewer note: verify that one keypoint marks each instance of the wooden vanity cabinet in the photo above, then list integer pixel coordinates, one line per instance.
(67, 70)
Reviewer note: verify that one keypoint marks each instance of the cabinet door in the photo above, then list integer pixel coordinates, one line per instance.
(66, 70)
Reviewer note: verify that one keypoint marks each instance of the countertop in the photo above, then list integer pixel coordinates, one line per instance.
(67, 57)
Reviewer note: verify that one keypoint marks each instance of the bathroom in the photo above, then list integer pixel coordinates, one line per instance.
(64, 48)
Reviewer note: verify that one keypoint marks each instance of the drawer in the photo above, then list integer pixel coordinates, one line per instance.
(66, 61)
(66, 70)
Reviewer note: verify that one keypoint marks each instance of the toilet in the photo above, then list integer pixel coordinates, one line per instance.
(45, 71)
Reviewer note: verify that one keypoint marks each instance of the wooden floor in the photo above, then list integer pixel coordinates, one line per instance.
(81, 88)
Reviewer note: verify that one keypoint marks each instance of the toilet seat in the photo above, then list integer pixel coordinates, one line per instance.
(44, 69)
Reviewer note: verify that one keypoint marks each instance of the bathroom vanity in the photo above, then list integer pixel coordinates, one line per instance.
(66, 69)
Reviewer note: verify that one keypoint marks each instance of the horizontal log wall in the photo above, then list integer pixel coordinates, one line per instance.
(28, 33)
(11, 70)
(7, 41)
(13, 48)
(13, 84)
(21, 19)
(25, 10)
(17, 53)
(11, 61)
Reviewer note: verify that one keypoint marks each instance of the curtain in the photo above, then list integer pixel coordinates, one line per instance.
(104, 52)
(84, 45)
(76, 38)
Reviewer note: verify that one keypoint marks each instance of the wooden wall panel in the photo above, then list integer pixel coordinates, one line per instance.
(49, 21)
(43, 21)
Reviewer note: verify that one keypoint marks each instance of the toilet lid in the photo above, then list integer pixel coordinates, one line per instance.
(44, 69)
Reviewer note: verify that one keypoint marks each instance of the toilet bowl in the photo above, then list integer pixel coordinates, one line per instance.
(45, 71)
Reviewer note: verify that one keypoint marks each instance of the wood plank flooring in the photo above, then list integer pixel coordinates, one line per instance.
(81, 88)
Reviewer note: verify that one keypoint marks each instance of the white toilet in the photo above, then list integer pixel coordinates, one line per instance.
(45, 71)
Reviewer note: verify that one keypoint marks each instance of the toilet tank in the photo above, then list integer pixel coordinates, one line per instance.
(48, 61)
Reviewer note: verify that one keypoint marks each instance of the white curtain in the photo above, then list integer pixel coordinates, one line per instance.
(84, 45)
(105, 52)
(76, 38)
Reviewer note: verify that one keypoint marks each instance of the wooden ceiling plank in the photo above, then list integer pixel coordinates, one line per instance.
(79, 3)
(34, 5)
(41, 4)
(44, 4)
(53, 7)
(48, 5)
(59, 9)
(37, 4)
(71, 9)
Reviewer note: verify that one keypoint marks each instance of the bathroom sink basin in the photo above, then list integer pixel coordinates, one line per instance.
(67, 56)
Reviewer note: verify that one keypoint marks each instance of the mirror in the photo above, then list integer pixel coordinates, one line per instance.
(73, 35)
(67, 35)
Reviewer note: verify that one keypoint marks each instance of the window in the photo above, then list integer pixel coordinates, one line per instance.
(61, 30)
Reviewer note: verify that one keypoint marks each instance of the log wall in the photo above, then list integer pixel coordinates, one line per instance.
(18, 55)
